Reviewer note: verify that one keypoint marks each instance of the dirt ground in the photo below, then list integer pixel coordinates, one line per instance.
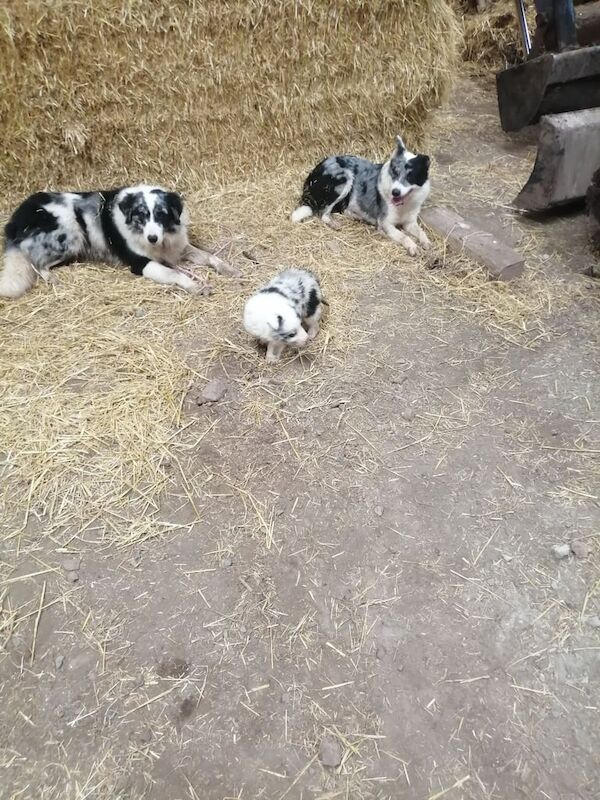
(355, 593)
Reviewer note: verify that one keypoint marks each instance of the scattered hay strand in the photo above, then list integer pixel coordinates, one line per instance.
(91, 401)
(456, 785)
(93, 395)
(37, 622)
(298, 776)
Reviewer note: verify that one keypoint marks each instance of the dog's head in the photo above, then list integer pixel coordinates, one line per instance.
(270, 317)
(151, 213)
(406, 172)
(286, 326)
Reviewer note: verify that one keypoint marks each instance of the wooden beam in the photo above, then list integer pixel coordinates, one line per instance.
(502, 262)
(568, 155)
(549, 84)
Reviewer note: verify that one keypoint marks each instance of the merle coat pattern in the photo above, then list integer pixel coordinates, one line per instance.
(388, 195)
(143, 227)
(286, 311)
(300, 288)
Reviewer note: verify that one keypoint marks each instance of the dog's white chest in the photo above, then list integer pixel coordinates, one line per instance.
(409, 210)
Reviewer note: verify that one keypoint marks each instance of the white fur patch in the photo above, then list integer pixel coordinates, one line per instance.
(285, 312)
(171, 277)
(261, 318)
(301, 213)
(18, 275)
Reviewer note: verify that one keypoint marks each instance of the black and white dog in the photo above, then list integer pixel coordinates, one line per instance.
(388, 195)
(143, 227)
(285, 312)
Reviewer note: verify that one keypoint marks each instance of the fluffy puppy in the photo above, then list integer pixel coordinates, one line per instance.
(285, 312)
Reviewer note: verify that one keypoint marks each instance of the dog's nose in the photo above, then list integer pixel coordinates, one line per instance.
(396, 193)
(152, 238)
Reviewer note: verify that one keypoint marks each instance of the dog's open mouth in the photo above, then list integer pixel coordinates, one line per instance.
(399, 201)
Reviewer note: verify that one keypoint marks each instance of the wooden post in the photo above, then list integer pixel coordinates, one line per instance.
(501, 261)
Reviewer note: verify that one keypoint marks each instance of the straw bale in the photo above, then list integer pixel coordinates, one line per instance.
(95, 93)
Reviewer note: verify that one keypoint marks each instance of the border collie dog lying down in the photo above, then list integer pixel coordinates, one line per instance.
(388, 195)
(143, 227)
(285, 312)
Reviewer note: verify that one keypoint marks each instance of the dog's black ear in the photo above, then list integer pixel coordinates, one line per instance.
(126, 205)
(175, 205)
(418, 169)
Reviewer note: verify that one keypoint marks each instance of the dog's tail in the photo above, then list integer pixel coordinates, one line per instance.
(301, 213)
(18, 275)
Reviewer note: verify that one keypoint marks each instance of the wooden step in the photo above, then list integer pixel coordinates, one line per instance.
(568, 155)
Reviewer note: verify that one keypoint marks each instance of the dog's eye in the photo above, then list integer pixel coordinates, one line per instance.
(165, 218)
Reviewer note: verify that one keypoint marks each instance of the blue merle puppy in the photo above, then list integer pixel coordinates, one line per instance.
(388, 195)
(285, 312)
(143, 227)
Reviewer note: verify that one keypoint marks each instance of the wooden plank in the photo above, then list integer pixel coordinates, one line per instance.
(549, 84)
(520, 90)
(568, 155)
(502, 262)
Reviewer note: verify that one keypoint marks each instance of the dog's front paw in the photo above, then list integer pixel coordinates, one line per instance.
(49, 277)
(274, 351)
(332, 223)
(224, 268)
(411, 248)
(199, 287)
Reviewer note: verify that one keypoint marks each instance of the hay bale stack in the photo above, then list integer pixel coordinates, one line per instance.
(98, 91)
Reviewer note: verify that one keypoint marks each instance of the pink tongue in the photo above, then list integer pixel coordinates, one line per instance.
(398, 201)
